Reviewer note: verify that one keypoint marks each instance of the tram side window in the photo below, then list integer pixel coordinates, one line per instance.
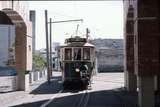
(77, 53)
(86, 53)
(68, 54)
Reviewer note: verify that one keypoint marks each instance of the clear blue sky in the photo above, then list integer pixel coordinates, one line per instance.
(103, 18)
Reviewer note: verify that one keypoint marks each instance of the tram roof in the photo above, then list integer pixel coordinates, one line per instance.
(77, 41)
(75, 44)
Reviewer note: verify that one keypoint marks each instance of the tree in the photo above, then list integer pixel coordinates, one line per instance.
(38, 62)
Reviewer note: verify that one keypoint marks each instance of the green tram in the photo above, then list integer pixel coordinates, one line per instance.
(77, 61)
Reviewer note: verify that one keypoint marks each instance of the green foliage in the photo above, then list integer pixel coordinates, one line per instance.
(38, 62)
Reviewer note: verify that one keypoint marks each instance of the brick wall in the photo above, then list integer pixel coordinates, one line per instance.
(147, 33)
(129, 41)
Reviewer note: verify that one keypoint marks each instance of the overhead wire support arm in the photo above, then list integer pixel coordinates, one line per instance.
(67, 21)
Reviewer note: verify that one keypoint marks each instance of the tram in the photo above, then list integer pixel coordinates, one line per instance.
(77, 61)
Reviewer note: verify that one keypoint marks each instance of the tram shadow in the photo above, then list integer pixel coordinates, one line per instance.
(48, 88)
(74, 87)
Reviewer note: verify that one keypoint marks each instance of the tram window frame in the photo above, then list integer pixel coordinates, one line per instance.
(79, 52)
(88, 57)
(69, 57)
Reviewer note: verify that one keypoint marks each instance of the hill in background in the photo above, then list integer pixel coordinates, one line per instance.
(109, 54)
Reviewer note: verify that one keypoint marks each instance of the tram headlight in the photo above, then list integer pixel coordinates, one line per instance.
(77, 70)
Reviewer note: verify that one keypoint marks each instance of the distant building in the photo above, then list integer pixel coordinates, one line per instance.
(55, 50)
(55, 55)
(109, 54)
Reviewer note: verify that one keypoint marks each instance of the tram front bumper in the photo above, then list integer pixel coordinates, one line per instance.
(75, 79)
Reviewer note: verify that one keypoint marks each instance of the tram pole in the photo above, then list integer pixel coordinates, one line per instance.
(47, 46)
(51, 47)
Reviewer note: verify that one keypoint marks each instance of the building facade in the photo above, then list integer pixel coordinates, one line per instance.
(20, 6)
(142, 47)
(17, 38)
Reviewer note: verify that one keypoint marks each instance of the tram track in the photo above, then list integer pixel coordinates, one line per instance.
(77, 98)
(87, 100)
(52, 99)
(83, 102)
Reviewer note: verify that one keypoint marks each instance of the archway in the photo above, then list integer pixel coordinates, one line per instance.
(19, 44)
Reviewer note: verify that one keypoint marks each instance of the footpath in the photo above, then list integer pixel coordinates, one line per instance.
(39, 90)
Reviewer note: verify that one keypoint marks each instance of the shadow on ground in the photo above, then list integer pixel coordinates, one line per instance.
(104, 98)
(55, 86)
(49, 88)
(117, 97)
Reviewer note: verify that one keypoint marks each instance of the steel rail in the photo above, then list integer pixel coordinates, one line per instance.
(84, 99)
(87, 100)
(51, 99)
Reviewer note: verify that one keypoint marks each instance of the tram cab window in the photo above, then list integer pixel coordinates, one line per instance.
(77, 53)
(86, 53)
(68, 54)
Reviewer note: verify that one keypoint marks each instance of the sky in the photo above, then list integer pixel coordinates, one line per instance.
(103, 18)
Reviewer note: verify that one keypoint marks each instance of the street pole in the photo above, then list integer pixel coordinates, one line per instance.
(12, 4)
(47, 46)
(51, 47)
